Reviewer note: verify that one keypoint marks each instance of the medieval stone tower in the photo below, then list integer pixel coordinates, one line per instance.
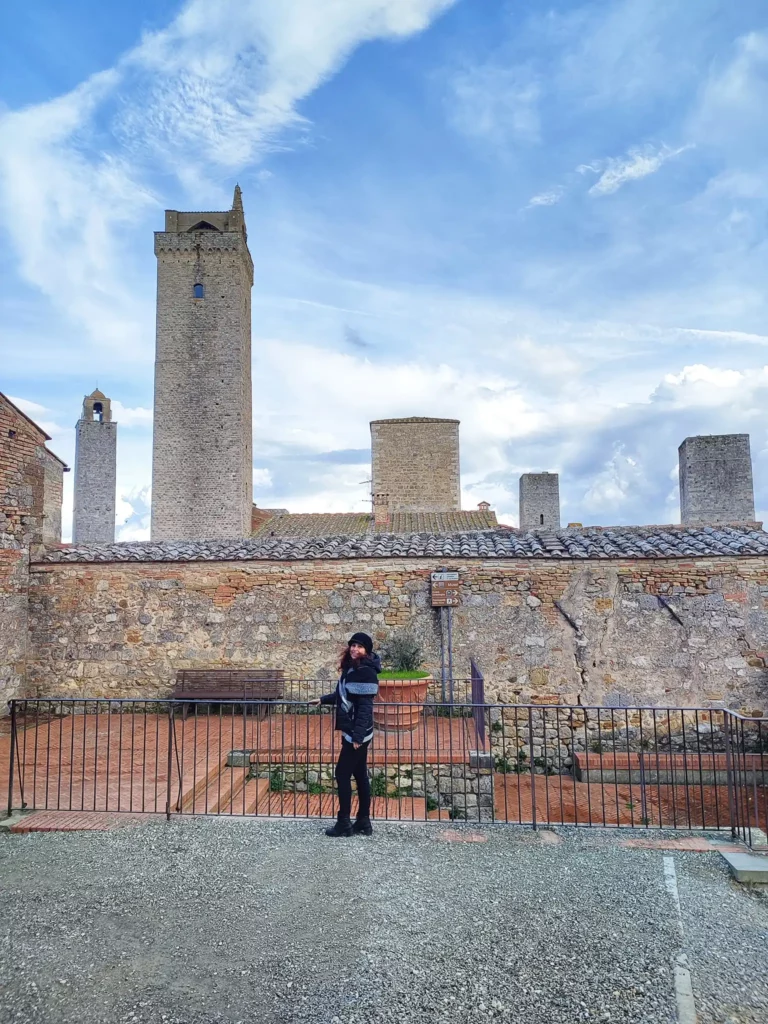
(202, 472)
(95, 472)
(415, 465)
(540, 501)
(716, 479)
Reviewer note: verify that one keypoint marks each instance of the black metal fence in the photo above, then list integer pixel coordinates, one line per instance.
(672, 768)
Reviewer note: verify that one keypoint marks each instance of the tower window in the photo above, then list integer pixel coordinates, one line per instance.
(98, 412)
(541, 519)
(11, 433)
(198, 291)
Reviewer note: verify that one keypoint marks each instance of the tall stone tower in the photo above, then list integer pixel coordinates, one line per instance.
(202, 465)
(540, 501)
(95, 472)
(415, 465)
(716, 479)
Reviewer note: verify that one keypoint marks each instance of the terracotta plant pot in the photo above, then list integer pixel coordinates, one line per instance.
(403, 704)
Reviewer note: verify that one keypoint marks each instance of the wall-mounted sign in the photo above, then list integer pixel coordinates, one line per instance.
(445, 589)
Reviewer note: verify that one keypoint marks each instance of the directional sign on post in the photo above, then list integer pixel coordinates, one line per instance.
(445, 589)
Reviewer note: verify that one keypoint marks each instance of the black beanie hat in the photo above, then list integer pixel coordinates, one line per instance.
(363, 639)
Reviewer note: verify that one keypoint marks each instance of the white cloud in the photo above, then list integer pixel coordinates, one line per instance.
(638, 163)
(496, 103)
(262, 479)
(211, 91)
(126, 417)
(32, 409)
(548, 198)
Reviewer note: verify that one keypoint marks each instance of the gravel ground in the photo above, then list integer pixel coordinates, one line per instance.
(729, 962)
(212, 921)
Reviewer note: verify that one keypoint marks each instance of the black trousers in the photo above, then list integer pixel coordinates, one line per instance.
(353, 763)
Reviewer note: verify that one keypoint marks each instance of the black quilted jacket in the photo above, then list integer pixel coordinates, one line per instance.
(353, 698)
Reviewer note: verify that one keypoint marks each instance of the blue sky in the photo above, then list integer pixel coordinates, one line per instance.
(547, 221)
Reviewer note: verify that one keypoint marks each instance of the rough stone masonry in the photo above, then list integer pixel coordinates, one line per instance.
(664, 616)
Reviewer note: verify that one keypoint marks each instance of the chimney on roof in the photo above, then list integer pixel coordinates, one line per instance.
(381, 510)
(716, 480)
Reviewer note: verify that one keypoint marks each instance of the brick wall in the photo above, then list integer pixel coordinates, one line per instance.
(415, 464)
(641, 631)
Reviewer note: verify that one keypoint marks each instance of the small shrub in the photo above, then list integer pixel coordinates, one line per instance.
(432, 804)
(403, 653)
(379, 785)
(497, 726)
(596, 746)
(315, 788)
(515, 766)
(455, 814)
(277, 783)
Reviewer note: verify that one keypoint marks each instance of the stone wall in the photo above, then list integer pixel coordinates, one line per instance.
(53, 496)
(415, 465)
(24, 466)
(716, 479)
(539, 501)
(202, 475)
(95, 493)
(632, 631)
(14, 579)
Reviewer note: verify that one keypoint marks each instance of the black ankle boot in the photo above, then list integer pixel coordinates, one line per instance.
(362, 827)
(342, 829)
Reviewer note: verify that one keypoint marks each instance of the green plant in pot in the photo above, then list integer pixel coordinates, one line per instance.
(403, 684)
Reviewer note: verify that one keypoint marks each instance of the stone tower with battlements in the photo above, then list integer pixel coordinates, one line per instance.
(95, 472)
(415, 465)
(540, 501)
(716, 480)
(202, 469)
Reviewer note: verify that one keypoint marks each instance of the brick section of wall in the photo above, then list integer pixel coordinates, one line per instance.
(14, 600)
(716, 479)
(95, 482)
(22, 478)
(415, 464)
(202, 477)
(539, 501)
(668, 632)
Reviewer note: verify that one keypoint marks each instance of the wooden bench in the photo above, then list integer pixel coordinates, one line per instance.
(213, 685)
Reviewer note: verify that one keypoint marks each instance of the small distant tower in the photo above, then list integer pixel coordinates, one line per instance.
(202, 465)
(540, 501)
(716, 480)
(95, 472)
(415, 465)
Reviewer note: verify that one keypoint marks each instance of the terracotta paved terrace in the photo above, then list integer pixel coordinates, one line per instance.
(120, 763)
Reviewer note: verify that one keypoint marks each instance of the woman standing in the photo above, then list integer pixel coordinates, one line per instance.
(353, 697)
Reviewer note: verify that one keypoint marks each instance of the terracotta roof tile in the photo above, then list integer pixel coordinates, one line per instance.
(644, 542)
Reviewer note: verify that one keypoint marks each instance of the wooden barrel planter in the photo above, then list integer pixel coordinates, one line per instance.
(400, 704)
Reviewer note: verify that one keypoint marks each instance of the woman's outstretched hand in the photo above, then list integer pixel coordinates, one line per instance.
(315, 702)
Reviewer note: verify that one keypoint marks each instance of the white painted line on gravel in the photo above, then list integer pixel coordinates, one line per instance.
(686, 1007)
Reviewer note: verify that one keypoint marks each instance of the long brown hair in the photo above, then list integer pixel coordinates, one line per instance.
(345, 659)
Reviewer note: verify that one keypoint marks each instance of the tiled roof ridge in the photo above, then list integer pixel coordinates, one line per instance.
(615, 543)
(417, 419)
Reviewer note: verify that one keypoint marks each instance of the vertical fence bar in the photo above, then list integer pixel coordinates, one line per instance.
(169, 766)
(729, 773)
(533, 769)
(12, 752)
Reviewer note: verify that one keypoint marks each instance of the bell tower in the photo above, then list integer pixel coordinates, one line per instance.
(202, 466)
(93, 520)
